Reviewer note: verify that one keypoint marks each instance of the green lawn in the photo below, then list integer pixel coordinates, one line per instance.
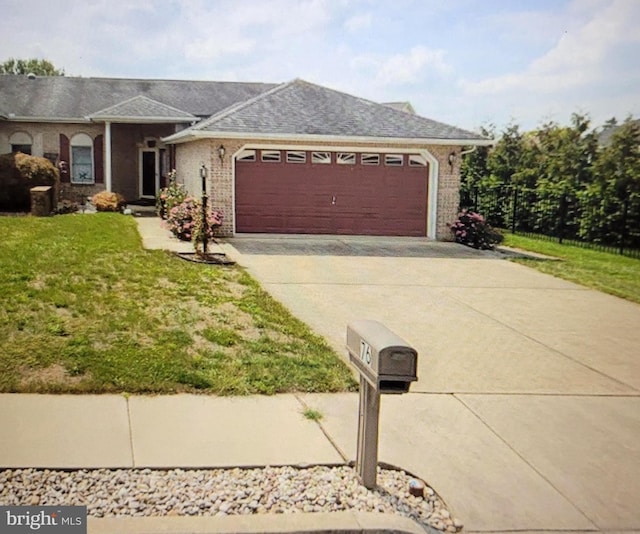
(611, 273)
(83, 308)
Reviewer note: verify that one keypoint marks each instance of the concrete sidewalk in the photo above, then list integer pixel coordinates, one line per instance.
(91, 431)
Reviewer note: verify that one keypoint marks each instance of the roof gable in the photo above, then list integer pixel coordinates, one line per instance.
(142, 108)
(303, 108)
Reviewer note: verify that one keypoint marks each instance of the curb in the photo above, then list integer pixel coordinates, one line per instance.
(513, 252)
(311, 523)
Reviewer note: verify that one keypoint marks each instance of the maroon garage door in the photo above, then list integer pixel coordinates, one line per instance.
(305, 192)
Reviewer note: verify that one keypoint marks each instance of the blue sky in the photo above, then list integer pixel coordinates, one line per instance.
(463, 62)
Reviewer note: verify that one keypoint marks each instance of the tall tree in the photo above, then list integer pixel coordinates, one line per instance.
(473, 169)
(614, 195)
(39, 67)
(505, 160)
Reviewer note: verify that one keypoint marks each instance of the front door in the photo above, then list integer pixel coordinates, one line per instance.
(149, 173)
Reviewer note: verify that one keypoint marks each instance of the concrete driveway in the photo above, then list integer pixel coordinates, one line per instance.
(526, 415)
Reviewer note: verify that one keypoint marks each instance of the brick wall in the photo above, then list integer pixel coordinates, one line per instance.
(46, 143)
(448, 190)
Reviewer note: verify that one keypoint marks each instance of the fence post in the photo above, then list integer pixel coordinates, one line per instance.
(623, 232)
(514, 210)
(562, 217)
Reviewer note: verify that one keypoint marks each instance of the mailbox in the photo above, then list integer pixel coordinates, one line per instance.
(383, 359)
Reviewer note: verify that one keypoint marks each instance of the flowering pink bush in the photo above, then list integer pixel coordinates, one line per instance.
(185, 220)
(471, 229)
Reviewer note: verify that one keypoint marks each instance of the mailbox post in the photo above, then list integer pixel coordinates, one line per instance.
(387, 364)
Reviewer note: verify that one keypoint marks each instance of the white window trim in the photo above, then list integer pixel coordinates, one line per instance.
(417, 160)
(296, 156)
(367, 159)
(21, 139)
(82, 140)
(270, 153)
(321, 158)
(390, 158)
(346, 158)
(247, 155)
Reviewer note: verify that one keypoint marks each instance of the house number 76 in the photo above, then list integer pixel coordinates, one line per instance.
(365, 352)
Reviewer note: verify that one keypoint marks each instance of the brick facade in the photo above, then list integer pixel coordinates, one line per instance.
(127, 140)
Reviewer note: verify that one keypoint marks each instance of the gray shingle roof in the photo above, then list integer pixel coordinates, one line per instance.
(303, 108)
(63, 97)
(295, 108)
(142, 107)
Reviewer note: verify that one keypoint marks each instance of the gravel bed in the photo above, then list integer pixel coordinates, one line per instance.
(221, 492)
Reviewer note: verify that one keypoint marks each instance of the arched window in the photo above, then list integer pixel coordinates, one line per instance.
(21, 142)
(82, 171)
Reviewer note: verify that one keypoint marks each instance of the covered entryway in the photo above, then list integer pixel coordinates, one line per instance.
(317, 192)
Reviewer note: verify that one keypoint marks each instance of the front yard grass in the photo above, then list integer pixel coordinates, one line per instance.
(84, 309)
(611, 273)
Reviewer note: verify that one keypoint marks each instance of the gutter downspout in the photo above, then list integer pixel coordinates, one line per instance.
(465, 152)
(107, 159)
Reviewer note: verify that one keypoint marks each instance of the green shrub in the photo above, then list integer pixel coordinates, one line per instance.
(170, 196)
(472, 230)
(18, 174)
(108, 201)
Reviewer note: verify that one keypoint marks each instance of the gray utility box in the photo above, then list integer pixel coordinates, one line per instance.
(383, 359)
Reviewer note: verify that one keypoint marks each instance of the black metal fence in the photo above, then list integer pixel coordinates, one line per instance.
(603, 224)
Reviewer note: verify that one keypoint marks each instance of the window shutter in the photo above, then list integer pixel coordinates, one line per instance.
(65, 159)
(98, 159)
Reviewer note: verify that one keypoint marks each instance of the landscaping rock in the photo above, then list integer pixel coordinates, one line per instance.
(221, 492)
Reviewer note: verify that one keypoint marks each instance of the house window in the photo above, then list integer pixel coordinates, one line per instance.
(247, 155)
(82, 159)
(296, 157)
(415, 160)
(393, 160)
(21, 142)
(346, 158)
(25, 149)
(370, 159)
(321, 157)
(270, 155)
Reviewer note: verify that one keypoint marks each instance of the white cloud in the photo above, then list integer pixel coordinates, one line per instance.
(361, 21)
(398, 69)
(578, 58)
(212, 31)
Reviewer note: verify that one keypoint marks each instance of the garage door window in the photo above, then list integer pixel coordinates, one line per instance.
(416, 160)
(272, 156)
(321, 157)
(393, 160)
(370, 159)
(296, 157)
(346, 158)
(247, 155)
